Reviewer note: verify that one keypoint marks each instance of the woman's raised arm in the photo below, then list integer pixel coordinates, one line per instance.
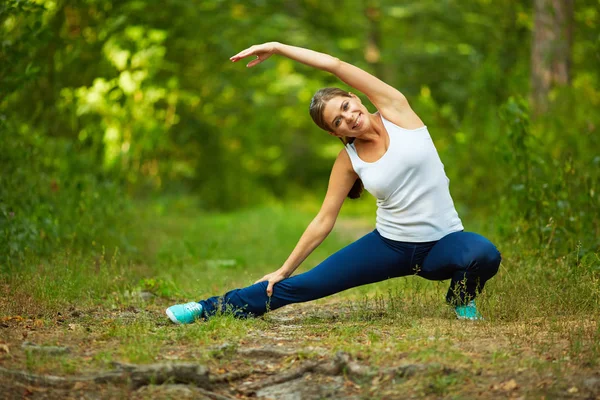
(381, 94)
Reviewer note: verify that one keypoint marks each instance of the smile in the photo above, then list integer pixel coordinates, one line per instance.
(357, 122)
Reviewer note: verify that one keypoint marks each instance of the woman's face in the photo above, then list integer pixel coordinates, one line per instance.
(346, 116)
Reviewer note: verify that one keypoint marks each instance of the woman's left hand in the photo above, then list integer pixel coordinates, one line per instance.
(271, 280)
(261, 51)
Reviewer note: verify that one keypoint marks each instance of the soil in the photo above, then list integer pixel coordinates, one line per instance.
(276, 364)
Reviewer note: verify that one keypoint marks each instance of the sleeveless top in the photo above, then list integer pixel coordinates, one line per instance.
(411, 187)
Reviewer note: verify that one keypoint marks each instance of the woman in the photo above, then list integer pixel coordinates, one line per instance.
(418, 230)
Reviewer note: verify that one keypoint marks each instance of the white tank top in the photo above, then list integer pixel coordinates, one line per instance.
(411, 187)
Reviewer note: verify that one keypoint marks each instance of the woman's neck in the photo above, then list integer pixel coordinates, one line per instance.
(376, 131)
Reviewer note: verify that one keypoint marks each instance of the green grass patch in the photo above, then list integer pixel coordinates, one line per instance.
(541, 310)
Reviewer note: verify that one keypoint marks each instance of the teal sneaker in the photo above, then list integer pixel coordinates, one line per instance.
(468, 311)
(185, 313)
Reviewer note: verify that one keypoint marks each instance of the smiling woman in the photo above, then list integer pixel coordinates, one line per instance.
(417, 229)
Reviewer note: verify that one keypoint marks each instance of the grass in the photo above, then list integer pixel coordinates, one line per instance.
(541, 312)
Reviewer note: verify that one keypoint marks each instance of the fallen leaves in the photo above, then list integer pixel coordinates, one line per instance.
(75, 327)
(506, 386)
(13, 318)
(79, 386)
(31, 324)
(573, 390)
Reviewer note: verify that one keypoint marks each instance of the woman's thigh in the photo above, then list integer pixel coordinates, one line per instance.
(367, 260)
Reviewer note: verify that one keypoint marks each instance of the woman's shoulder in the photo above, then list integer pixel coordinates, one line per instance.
(403, 117)
(344, 158)
(344, 155)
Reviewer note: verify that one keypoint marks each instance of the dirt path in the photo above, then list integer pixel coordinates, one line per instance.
(306, 351)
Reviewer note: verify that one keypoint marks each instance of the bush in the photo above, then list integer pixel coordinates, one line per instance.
(53, 194)
(553, 177)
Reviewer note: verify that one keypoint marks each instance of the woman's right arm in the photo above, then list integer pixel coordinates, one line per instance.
(340, 182)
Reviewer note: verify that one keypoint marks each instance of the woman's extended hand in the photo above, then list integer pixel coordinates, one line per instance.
(261, 51)
(272, 278)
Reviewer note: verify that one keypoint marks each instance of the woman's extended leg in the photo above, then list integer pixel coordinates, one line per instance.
(369, 259)
(468, 259)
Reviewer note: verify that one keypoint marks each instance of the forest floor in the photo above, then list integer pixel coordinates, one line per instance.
(299, 352)
(359, 345)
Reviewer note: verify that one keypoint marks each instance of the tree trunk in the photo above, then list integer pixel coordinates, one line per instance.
(551, 49)
(372, 50)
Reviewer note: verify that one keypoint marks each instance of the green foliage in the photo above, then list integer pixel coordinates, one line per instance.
(53, 191)
(134, 112)
(124, 125)
(158, 287)
(52, 196)
(23, 19)
(104, 100)
(552, 186)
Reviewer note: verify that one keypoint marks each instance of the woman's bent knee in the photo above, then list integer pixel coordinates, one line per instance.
(488, 259)
(465, 251)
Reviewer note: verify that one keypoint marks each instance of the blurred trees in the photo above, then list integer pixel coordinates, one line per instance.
(551, 48)
(100, 100)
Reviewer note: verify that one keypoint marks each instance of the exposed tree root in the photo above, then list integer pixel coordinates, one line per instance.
(340, 364)
(230, 377)
(172, 391)
(282, 377)
(135, 375)
(213, 395)
(266, 352)
(141, 375)
(190, 373)
(59, 381)
(52, 350)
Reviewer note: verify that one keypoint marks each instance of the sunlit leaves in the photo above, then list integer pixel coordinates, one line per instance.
(118, 57)
(145, 92)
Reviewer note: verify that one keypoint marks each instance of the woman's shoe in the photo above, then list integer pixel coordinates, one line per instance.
(185, 313)
(468, 311)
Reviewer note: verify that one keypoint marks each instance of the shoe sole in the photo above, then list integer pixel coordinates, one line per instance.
(172, 317)
(469, 318)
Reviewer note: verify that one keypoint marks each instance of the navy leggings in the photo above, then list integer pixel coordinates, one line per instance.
(468, 259)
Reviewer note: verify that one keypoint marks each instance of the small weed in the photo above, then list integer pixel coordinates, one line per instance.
(40, 362)
(69, 366)
(103, 359)
(158, 286)
(225, 351)
(441, 384)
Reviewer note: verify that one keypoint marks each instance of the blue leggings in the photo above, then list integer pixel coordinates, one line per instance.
(468, 259)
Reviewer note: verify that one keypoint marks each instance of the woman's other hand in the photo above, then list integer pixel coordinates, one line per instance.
(260, 51)
(272, 279)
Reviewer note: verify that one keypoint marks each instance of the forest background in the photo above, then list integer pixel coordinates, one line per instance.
(108, 106)
(140, 168)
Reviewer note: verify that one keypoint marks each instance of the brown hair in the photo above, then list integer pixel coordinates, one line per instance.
(316, 109)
